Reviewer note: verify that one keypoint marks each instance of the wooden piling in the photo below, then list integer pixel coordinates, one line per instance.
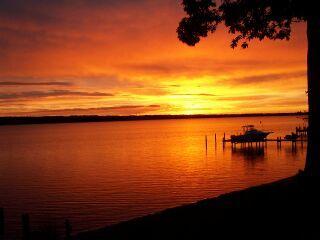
(224, 140)
(215, 141)
(68, 228)
(206, 140)
(1, 223)
(25, 226)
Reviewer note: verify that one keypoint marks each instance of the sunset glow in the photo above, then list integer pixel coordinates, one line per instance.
(123, 57)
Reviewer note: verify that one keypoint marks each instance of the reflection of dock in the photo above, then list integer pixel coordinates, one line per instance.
(249, 153)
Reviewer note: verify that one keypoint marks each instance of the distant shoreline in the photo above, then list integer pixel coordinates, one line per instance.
(96, 118)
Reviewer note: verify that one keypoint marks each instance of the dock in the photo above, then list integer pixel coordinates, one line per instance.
(301, 137)
(302, 131)
(263, 143)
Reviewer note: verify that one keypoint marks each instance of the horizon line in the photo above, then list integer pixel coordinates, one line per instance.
(22, 120)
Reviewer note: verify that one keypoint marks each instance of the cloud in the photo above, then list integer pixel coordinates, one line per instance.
(129, 48)
(270, 77)
(195, 66)
(105, 81)
(52, 93)
(35, 84)
(195, 94)
(245, 98)
(108, 110)
(37, 23)
(284, 104)
(126, 107)
(87, 80)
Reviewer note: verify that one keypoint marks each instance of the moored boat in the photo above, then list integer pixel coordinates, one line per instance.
(250, 134)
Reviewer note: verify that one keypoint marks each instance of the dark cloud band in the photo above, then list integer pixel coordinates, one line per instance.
(53, 93)
(35, 84)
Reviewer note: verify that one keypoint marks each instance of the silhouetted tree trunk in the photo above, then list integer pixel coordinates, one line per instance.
(313, 153)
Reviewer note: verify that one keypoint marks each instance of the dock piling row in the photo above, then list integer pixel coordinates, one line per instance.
(27, 233)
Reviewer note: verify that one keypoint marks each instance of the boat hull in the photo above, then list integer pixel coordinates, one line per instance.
(257, 137)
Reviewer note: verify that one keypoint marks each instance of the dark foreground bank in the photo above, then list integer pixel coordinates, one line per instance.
(287, 209)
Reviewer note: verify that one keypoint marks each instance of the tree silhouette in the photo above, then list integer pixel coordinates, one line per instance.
(264, 19)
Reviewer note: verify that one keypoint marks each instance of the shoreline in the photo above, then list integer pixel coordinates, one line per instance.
(279, 209)
(5, 121)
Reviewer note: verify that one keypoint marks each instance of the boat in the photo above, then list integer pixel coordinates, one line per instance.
(292, 137)
(250, 134)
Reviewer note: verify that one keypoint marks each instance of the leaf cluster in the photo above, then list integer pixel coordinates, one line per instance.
(245, 19)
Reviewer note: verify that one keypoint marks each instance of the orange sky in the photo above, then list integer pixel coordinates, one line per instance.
(123, 57)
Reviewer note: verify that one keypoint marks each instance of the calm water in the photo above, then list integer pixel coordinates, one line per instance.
(100, 173)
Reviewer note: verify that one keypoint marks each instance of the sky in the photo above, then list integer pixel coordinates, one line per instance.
(122, 57)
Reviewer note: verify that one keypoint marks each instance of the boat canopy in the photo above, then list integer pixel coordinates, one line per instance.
(248, 126)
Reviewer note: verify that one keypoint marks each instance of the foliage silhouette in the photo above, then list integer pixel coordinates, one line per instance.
(263, 19)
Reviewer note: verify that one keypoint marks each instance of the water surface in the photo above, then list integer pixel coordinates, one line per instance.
(101, 173)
